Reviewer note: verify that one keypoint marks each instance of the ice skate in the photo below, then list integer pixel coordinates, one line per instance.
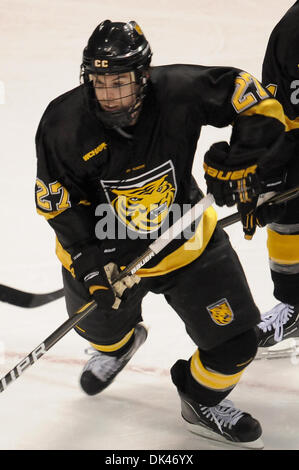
(101, 369)
(279, 333)
(280, 323)
(222, 422)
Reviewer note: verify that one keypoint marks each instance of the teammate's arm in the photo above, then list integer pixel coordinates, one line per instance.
(251, 163)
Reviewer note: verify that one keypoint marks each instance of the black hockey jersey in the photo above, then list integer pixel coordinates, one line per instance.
(281, 76)
(91, 179)
(281, 65)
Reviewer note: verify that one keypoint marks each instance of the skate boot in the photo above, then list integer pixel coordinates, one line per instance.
(282, 322)
(101, 369)
(222, 422)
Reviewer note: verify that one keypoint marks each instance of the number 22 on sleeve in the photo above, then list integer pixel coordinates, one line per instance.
(248, 92)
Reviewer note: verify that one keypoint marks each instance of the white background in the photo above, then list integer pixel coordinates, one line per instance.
(40, 54)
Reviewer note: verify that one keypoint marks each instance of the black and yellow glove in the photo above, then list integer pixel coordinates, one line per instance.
(227, 183)
(89, 268)
(253, 216)
(247, 211)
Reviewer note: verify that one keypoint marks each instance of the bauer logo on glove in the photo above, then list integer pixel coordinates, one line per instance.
(228, 183)
(228, 175)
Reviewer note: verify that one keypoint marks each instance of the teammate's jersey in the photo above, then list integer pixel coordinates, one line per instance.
(281, 77)
(281, 65)
(91, 179)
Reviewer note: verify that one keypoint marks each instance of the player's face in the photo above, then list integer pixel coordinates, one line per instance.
(115, 92)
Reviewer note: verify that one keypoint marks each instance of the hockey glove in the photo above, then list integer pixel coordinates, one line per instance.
(253, 216)
(123, 288)
(89, 269)
(229, 184)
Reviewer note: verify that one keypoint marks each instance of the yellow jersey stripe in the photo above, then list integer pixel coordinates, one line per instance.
(270, 108)
(189, 251)
(84, 307)
(53, 214)
(92, 289)
(291, 124)
(50, 215)
(184, 255)
(276, 112)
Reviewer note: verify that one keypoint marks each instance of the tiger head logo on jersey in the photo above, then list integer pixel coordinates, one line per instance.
(145, 208)
(143, 203)
(221, 312)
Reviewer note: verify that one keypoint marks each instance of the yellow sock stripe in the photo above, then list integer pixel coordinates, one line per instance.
(212, 380)
(283, 249)
(115, 346)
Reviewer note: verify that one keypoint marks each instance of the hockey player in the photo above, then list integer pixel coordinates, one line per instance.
(115, 154)
(281, 76)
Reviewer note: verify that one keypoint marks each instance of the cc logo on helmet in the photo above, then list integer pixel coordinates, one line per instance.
(101, 63)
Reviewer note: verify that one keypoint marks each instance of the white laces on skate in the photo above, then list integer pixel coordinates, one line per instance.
(223, 415)
(275, 319)
(102, 365)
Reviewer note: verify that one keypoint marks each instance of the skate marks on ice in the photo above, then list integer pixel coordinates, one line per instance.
(140, 410)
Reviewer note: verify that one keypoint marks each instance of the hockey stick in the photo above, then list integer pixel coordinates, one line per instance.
(31, 300)
(278, 198)
(154, 248)
(26, 299)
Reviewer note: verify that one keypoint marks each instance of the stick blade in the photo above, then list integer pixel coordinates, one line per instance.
(26, 299)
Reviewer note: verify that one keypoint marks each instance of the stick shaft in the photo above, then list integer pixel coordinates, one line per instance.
(42, 348)
(62, 330)
(279, 198)
(153, 249)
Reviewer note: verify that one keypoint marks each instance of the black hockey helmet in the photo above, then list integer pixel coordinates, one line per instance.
(118, 48)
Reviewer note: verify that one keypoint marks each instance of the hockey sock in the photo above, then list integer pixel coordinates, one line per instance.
(119, 348)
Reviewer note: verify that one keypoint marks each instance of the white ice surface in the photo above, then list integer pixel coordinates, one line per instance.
(40, 53)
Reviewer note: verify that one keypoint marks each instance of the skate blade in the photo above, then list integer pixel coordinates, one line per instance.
(214, 436)
(288, 348)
